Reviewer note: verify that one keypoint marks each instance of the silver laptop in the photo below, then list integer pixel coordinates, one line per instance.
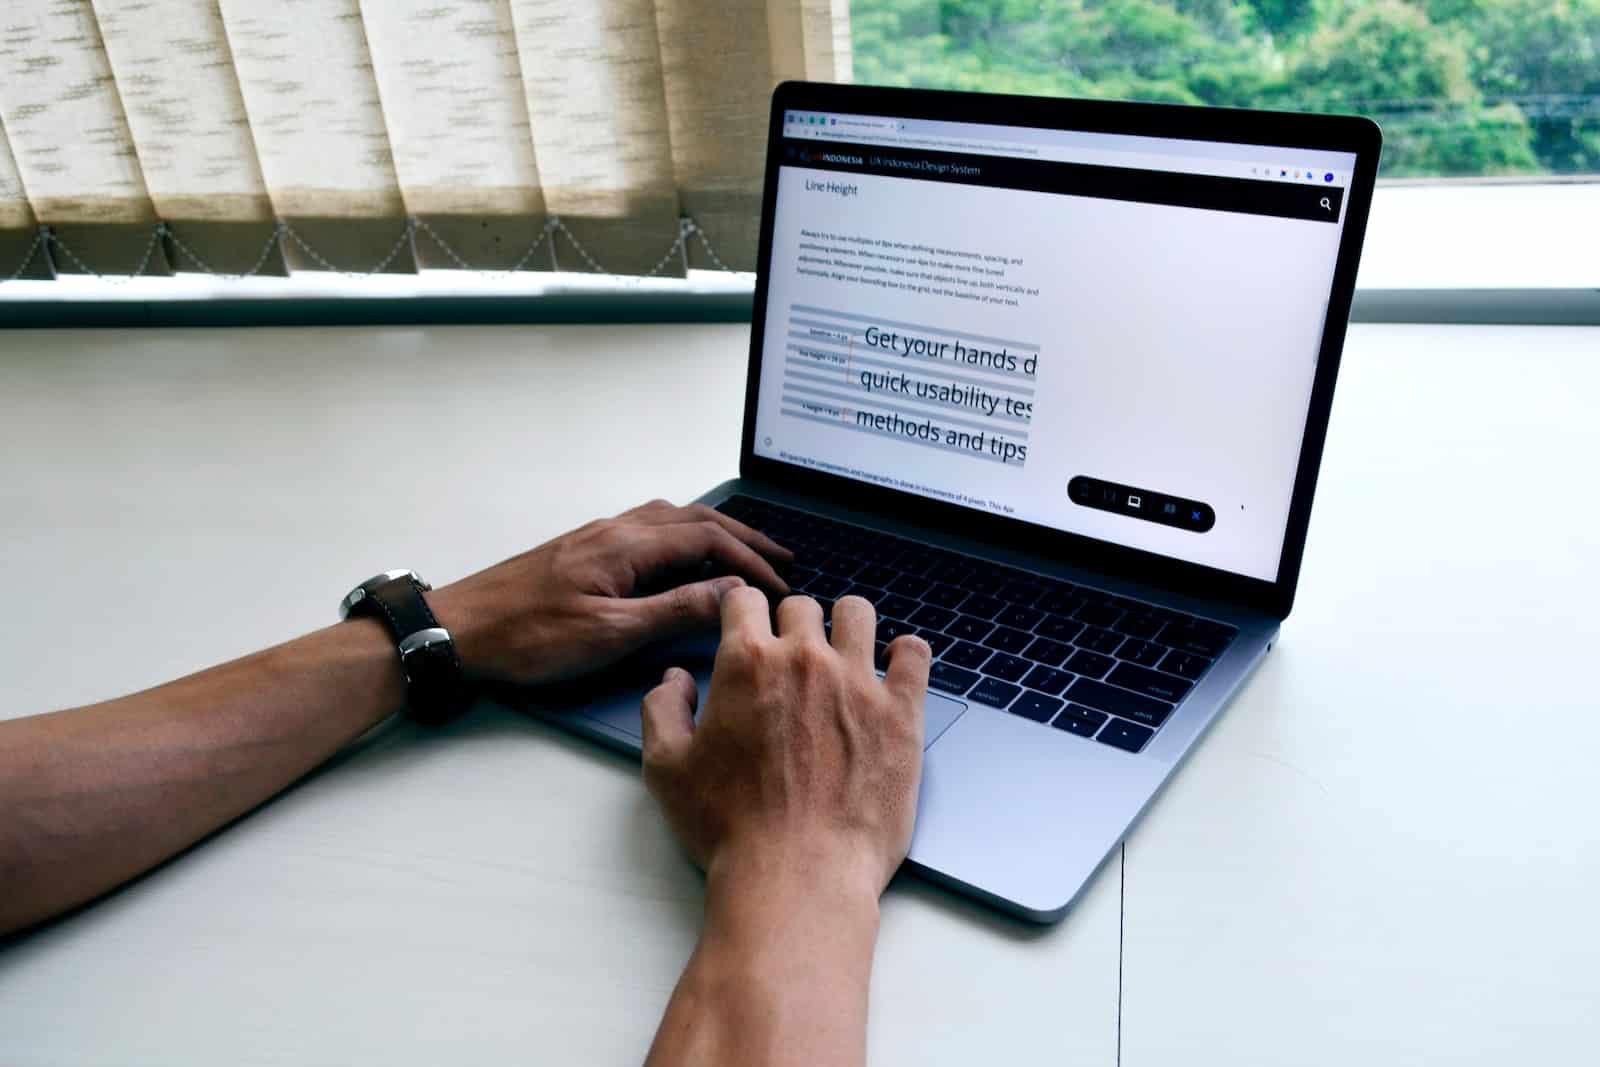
(1048, 382)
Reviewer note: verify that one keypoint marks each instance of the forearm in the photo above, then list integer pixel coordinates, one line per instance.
(780, 975)
(91, 796)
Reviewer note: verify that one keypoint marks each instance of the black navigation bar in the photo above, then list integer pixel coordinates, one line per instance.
(1208, 192)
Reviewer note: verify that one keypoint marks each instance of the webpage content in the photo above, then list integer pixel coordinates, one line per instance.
(1136, 372)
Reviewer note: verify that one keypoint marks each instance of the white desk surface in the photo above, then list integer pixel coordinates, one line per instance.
(1385, 852)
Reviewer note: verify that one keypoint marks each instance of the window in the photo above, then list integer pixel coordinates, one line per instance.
(1462, 87)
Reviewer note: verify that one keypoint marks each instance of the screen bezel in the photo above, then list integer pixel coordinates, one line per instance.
(1339, 133)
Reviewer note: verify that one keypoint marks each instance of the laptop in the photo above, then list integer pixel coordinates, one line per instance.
(1047, 381)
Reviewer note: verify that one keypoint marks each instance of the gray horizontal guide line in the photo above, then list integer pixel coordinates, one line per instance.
(811, 309)
(869, 400)
(851, 349)
(862, 344)
(863, 361)
(895, 437)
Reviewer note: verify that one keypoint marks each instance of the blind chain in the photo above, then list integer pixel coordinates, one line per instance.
(282, 231)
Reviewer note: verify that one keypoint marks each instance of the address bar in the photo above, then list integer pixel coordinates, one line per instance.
(1055, 153)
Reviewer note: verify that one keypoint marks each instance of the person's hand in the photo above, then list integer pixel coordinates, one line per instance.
(592, 596)
(803, 763)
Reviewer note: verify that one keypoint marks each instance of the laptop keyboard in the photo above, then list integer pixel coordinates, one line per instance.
(1068, 656)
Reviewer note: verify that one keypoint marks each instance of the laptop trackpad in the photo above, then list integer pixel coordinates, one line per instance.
(616, 703)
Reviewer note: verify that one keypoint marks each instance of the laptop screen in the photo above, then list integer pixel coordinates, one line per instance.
(1105, 334)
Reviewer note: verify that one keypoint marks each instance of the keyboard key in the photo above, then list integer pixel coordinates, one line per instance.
(1095, 614)
(984, 580)
(897, 607)
(951, 572)
(1128, 736)
(1050, 653)
(1047, 680)
(980, 606)
(967, 654)
(1059, 602)
(1021, 618)
(866, 592)
(876, 574)
(1150, 683)
(933, 618)
(1080, 720)
(1006, 666)
(889, 629)
(1104, 642)
(827, 585)
(839, 565)
(937, 641)
(910, 585)
(1185, 664)
(1200, 641)
(948, 678)
(1059, 628)
(1134, 624)
(1144, 653)
(968, 629)
(1020, 593)
(1090, 664)
(917, 562)
(944, 596)
(1008, 640)
(1121, 702)
(1036, 706)
(994, 691)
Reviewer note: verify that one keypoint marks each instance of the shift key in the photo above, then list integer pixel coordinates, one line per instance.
(1119, 701)
(1156, 684)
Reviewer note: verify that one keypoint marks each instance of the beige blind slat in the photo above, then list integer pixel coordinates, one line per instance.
(719, 110)
(71, 141)
(826, 29)
(457, 120)
(306, 79)
(597, 105)
(18, 227)
(174, 73)
(388, 134)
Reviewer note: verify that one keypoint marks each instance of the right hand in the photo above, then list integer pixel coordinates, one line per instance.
(804, 764)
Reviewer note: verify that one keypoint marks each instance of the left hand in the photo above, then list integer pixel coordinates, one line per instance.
(573, 605)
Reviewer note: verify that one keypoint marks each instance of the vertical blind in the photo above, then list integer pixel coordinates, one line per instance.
(241, 137)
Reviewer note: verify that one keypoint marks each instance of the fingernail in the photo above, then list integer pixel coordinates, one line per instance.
(723, 586)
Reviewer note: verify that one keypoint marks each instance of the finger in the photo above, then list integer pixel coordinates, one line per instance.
(748, 534)
(660, 513)
(667, 717)
(681, 609)
(654, 548)
(745, 613)
(800, 617)
(854, 628)
(907, 675)
(649, 509)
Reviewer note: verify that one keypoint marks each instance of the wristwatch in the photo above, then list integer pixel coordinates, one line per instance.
(436, 688)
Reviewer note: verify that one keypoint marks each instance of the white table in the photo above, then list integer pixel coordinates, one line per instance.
(1383, 853)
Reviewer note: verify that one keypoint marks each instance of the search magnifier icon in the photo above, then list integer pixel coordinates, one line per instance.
(1326, 206)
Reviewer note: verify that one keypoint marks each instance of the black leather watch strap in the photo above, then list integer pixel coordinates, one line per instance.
(435, 682)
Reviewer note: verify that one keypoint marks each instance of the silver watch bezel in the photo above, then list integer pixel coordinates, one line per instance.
(362, 591)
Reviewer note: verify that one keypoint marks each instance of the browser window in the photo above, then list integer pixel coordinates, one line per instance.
(1109, 335)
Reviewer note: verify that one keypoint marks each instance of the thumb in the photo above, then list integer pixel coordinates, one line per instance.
(696, 606)
(667, 717)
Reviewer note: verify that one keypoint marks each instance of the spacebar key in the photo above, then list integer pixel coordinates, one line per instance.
(1119, 702)
(950, 678)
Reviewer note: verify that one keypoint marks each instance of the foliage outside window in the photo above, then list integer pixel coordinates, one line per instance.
(1461, 87)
